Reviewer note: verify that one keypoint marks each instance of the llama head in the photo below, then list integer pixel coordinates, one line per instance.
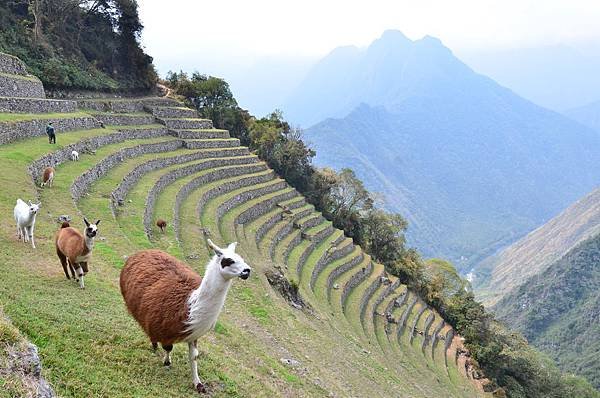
(91, 229)
(230, 264)
(34, 208)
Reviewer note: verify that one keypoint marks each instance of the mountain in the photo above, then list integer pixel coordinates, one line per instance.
(558, 310)
(536, 252)
(470, 164)
(588, 115)
(558, 77)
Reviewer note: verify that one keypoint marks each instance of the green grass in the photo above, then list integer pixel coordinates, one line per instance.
(90, 346)
(20, 77)
(23, 117)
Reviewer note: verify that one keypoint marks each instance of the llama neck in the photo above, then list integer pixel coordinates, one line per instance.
(207, 300)
(89, 243)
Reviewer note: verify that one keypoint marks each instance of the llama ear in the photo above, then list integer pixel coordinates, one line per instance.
(39, 204)
(232, 246)
(29, 201)
(97, 222)
(216, 248)
(87, 223)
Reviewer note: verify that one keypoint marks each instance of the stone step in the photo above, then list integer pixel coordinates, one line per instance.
(124, 105)
(186, 124)
(12, 65)
(124, 119)
(172, 112)
(21, 86)
(212, 143)
(36, 105)
(200, 133)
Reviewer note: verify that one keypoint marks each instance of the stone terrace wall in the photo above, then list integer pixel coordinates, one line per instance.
(258, 209)
(86, 145)
(215, 175)
(275, 218)
(354, 281)
(328, 257)
(174, 175)
(341, 270)
(119, 194)
(116, 119)
(12, 65)
(245, 196)
(84, 181)
(21, 86)
(406, 313)
(35, 105)
(13, 131)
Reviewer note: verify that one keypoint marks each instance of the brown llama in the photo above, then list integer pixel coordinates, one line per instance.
(172, 303)
(75, 250)
(161, 224)
(48, 176)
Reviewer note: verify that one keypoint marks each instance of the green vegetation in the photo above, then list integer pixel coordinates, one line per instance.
(22, 117)
(557, 310)
(91, 45)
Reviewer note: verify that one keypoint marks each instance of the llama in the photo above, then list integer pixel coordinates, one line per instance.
(74, 156)
(162, 224)
(172, 303)
(48, 176)
(75, 250)
(25, 218)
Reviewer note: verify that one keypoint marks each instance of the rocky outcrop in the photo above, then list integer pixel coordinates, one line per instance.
(20, 363)
(14, 131)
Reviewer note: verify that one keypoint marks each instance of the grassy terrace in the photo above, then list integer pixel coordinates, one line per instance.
(25, 117)
(20, 77)
(90, 346)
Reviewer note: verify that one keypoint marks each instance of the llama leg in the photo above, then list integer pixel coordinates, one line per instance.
(193, 356)
(73, 274)
(30, 230)
(25, 235)
(168, 348)
(80, 272)
(63, 262)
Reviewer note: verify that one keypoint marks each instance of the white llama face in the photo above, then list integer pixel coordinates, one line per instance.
(231, 265)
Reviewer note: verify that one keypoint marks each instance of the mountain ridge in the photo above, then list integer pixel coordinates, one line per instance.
(470, 163)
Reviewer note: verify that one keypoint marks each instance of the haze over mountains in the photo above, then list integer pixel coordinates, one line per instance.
(469, 163)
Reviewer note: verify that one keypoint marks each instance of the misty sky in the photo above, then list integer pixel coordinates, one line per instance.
(237, 32)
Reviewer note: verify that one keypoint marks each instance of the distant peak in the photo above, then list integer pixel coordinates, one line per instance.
(393, 35)
(432, 41)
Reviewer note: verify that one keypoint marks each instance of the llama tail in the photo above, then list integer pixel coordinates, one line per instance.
(65, 224)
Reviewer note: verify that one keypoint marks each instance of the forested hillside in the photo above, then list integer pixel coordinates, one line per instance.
(78, 44)
(558, 310)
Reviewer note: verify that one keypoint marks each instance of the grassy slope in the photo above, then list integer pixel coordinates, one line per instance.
(90, 346)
